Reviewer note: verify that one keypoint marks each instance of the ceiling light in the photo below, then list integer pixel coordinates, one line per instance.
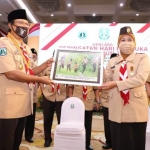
(69, 5)
(137, 14)
(94, 15)
(0, 14)
(121, 4)
(52, 15)
(114, 22)
(72, 22)
(23, 6)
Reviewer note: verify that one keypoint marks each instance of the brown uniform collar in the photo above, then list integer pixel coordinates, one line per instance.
(22, 43)
(129, 58)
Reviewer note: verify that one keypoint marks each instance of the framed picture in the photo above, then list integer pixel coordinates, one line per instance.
(78, 67)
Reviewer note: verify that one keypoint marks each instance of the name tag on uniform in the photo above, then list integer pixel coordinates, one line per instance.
(112, 67)
(3, 51)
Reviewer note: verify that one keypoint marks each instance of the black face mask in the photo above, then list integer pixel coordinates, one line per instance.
(21, 31)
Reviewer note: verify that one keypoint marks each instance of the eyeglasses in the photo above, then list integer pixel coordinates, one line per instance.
(22, 23)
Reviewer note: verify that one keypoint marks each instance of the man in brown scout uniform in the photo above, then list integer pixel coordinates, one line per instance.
(34, 55)
(53, 97)
(104, 102)
(128, 106)
(16, 76)
(87, 96)
(30, 120)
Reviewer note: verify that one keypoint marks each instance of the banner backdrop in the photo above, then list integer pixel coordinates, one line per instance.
(33, 37)
(101, 37)
(2, 33)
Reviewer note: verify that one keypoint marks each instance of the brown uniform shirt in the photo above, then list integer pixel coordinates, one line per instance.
(138, 68)
(104, 97)
(78, 92)
(53, 96)
(35, 94)
(35, 88)
(15, 97)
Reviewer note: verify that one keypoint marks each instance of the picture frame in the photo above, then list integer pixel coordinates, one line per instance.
(78, 67)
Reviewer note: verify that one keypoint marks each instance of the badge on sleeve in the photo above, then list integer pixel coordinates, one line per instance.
(3, 51)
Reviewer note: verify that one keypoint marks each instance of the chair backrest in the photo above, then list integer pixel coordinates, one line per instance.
(72, 112)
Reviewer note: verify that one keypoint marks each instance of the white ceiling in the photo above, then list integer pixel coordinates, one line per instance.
(108, 9)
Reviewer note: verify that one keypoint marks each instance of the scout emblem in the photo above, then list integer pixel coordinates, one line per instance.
(128, 30)
(3, 51)
(132, 72)
(72, 106)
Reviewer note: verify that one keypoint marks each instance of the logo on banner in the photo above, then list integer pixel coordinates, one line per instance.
(82, 35)
(104, 33)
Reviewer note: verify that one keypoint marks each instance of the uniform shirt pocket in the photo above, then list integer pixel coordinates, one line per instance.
(48, 88)
(62, 88)
(14, 91)
(12, 97)
(91, 96)
(19, 60)
(104, 95)
(140, 94)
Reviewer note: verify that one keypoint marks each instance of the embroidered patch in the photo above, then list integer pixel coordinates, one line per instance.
(3, 51)
(15, 52)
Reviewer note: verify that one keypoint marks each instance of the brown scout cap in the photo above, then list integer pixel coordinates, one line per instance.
(126, 31)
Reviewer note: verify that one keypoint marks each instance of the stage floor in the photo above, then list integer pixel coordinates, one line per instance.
(97, 138)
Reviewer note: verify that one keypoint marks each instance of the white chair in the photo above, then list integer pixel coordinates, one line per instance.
(148, 133)
(70, 133)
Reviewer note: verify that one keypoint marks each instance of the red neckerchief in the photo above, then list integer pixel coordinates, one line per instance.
(84, 92)
(122, 76)
(58, 88)
(28, 70)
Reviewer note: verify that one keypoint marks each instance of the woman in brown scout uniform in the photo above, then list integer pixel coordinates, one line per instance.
(16, 76)
(87, 95)
(128, 107)
(53, 97)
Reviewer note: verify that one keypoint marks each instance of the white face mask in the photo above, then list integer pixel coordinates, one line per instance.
(126, 47)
